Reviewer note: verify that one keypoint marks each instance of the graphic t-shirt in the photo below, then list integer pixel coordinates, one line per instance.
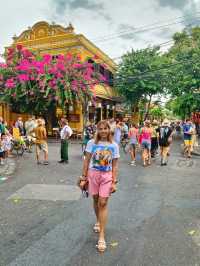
(103, 154)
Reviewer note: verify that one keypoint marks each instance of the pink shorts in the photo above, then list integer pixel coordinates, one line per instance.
(100, 183)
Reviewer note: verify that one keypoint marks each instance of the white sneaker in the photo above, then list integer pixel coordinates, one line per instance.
(133, 163)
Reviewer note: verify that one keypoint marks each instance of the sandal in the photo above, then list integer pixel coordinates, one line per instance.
(101, 246)
(96, 228)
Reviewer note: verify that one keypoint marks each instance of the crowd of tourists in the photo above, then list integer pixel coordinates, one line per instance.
(151, 138)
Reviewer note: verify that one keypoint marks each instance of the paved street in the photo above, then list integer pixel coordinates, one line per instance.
(154, 217)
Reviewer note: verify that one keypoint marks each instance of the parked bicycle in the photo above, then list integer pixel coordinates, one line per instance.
(18, 146)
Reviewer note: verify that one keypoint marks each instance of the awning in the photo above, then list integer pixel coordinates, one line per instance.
(107, 92)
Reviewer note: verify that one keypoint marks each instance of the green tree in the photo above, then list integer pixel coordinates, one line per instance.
(156, 112)
(184, 81)
(140, 77)
(184, 105)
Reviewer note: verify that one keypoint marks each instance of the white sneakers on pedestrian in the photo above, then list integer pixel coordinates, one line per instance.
(133, 163)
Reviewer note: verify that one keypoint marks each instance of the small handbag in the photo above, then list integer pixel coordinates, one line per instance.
(84, 187)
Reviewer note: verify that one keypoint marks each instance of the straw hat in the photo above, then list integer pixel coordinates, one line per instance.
(147, 122)
(165, 122)
(154, 122)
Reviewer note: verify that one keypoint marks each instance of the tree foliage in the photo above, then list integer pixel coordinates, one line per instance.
(136, 77)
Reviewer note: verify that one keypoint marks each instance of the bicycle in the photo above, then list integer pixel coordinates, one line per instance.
(28, 143)
(18, 146)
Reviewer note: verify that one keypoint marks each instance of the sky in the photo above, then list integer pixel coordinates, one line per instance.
(115, 26)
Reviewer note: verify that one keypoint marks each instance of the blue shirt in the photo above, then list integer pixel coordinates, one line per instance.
(186, 130)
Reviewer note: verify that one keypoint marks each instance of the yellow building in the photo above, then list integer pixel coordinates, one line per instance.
(54, 39)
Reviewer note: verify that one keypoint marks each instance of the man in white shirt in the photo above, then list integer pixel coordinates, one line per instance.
(65, 134)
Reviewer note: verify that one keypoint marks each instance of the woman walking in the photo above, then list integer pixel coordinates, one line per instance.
(145, 137)
(133, 141)
(100, 170)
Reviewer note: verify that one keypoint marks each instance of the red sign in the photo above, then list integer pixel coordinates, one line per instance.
(196, 117)
(74, 118)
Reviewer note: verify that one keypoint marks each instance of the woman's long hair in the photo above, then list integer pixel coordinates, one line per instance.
(97, 136)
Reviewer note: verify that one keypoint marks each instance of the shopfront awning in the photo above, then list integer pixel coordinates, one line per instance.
(107, 92)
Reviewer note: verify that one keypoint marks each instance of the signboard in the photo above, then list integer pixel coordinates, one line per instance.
(196, 117)
(74, 118)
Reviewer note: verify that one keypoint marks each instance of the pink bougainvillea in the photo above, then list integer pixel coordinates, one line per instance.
(10, 83)
(40, 81)
(23, 77)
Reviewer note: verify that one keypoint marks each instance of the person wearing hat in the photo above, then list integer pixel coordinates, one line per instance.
(165, 139)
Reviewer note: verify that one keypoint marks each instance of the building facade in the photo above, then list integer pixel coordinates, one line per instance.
(43, 38)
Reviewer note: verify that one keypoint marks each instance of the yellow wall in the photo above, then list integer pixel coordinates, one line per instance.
(77, 125)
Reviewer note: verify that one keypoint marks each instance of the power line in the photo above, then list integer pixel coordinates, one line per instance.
(146, 28)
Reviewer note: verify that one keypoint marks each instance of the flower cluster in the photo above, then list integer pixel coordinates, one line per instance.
(37, 81)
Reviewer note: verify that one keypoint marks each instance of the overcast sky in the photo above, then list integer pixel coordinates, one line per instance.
(115, 26)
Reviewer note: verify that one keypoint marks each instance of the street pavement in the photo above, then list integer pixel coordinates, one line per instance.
(154, 217)
(7, 169)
